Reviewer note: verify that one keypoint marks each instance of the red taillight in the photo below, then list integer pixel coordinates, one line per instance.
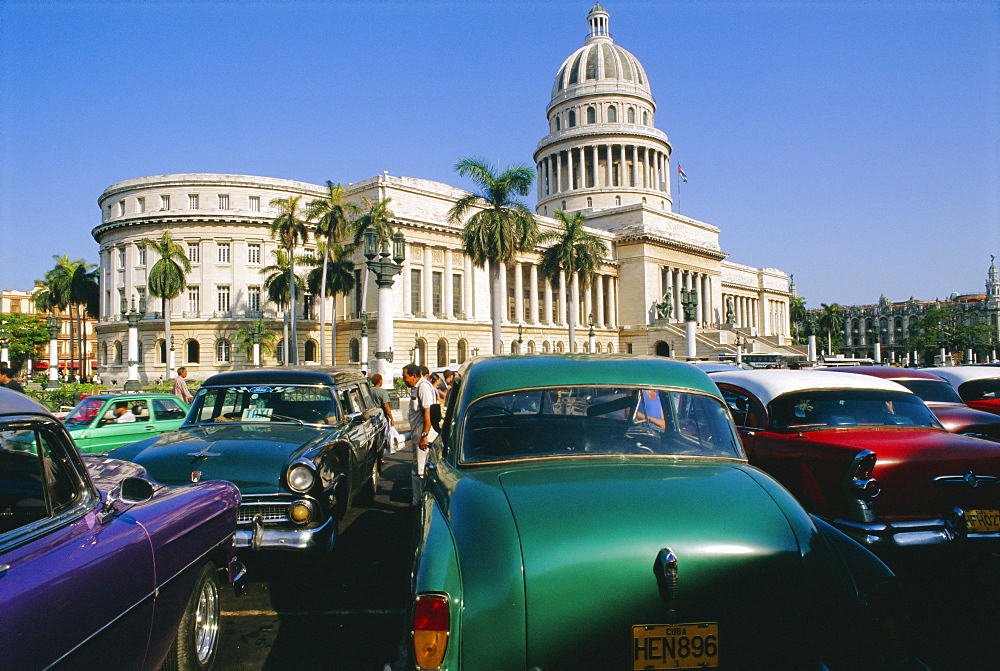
(431, 626)
(866, 467)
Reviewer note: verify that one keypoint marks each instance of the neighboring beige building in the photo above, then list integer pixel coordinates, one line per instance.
(602, 156)
(15, 301)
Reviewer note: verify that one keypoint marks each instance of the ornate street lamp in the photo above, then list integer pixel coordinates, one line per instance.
(591, 338)
(520, 340)
(133, 317)
(385, 271)
(53, 324)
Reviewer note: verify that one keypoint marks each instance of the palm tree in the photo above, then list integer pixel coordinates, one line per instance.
(331, 216)
(167, 279)
(377, 216)
(278, 288)
(798, 314)
(576, 253)
(336, 274)
(501, 226)
(832, 319)
(244, 339)
(289, 229)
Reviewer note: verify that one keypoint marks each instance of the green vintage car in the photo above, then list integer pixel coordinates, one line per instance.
(94, 426)
(598, 512)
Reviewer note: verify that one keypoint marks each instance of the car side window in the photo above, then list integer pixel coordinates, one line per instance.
(37, 480)
(742, 408)
(141, 410)
(346, 404)
(356, 399)
(366, 396)
(166, 408)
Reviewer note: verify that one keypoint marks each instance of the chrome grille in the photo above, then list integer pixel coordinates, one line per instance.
(269, 512)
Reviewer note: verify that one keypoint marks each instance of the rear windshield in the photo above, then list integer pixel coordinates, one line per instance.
(932, 391)
(837, 408)
(581, 421)
(279, 403)
(981, 390)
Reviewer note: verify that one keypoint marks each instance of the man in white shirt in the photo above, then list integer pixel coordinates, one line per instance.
(123, 414)
(422, 397)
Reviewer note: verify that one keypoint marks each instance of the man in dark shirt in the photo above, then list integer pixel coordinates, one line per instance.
(7, 380)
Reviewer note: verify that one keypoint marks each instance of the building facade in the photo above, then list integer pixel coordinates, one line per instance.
(601, 156)
(23, 302)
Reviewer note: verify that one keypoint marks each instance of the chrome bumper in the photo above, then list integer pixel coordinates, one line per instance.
(257, 536)
(914, 533)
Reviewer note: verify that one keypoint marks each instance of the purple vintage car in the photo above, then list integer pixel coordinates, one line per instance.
(99, 566)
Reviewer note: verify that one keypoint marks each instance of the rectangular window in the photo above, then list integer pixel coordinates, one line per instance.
(223, 249)
(456, 295)
(415, 292)
(164, 203)
(121, 207)
(436, 281)
(121, 257)
(253, 253)
(194, 252)
(140, 204)
(15, 306)
(223, 303)
(255, 203)
(223, 201)
(142, 255)
(193, 201)
(253, 299)
(194, 299)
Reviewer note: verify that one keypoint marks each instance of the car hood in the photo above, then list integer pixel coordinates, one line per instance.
(590, 535)
(910, 459)
(963, 419)
(250, 455)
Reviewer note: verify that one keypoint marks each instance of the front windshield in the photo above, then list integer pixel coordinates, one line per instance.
(274, 403)
(84, 413)
(932, 391)
(837, 408)
(588, 421)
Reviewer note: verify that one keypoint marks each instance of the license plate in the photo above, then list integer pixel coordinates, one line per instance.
(982, 521)
(675, 646)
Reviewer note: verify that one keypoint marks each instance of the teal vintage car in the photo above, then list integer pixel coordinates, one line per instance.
(598, 512)
(94, 426)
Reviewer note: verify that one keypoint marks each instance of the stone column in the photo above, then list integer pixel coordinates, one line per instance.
(518, 292)
(600, 317)
(404, 282)
(558, 173)
(504, 298)
(561, 308)
(533, 288)
(588, 305)
(447, 297)
(570, 169)
(612, 305)
(547, 305)
(676, 288)
(468, 286)
(427, 299)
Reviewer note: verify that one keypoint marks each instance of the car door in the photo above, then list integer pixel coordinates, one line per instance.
(74, 588)
(358, 432)
(107, 433)
(167, 414)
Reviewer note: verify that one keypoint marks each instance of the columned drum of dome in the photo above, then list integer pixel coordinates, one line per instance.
(602, 149)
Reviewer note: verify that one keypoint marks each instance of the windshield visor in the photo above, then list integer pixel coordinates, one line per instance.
(586, 421)
(837, 408)
(285, 403)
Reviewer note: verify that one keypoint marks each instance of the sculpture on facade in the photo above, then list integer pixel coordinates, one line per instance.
(730, 310)
(665, 307)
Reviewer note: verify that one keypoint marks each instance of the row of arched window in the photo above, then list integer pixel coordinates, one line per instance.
(610, 116)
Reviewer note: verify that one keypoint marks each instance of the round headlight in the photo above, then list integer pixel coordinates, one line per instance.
(300, 512)
(301, 478)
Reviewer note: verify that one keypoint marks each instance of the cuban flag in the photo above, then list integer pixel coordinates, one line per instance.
(680, 171)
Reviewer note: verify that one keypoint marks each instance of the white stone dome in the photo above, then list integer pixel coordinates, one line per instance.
(600, 66)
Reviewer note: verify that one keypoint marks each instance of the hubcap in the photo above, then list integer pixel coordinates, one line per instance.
(206, 622)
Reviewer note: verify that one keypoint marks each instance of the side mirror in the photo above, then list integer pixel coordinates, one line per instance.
(129, 491)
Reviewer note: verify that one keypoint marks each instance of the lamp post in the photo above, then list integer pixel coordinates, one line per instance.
(385, 271)
(475, 351)
(520, 340)
(53, 324)
(741, 341)
(689, 301)
(363, 358)
(133, 317)
(876, 338)
(256, 332)
(591, 338)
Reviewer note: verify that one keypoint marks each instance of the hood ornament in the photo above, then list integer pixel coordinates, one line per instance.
(665, 570)
(195, 476)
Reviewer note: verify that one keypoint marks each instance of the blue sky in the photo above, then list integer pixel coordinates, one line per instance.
(853, 144)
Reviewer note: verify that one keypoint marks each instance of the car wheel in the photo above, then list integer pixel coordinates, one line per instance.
(196, 644)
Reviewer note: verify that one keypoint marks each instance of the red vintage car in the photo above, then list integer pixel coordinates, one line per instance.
(867, 455)
(940, 397)
(979, 386)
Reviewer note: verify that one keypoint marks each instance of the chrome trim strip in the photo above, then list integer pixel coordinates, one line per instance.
(299, 539)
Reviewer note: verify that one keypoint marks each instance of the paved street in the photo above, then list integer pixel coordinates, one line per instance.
(352, 614)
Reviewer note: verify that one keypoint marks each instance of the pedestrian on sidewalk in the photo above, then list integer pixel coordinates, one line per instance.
(422, 397)
(180, 386)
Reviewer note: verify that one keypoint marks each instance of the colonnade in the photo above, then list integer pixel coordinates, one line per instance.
(605, 165)
(747, 310)
(452, 265)
(672, 280)
(533, 299)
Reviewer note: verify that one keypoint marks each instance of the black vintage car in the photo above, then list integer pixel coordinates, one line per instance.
(300, 443)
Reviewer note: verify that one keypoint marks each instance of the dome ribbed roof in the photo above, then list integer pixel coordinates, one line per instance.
(600, 61)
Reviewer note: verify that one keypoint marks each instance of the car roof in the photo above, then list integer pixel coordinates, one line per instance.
(127, 397)
(286, 375)
(489, 375)
(14, 403)
(959, 374)
(769, 384)
(888, 372)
